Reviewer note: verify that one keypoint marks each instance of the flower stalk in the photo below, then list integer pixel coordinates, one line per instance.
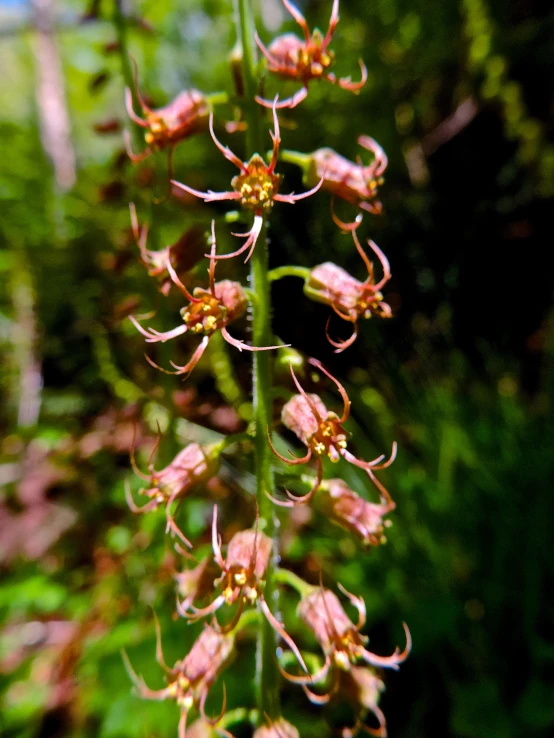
(267, 675)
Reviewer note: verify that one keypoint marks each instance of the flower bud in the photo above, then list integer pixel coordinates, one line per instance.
(192, 466)
(350, 181)
(351, 299)
(248, 552)
(344, 506)
(209, 654)
(324, 615)
(281, 728)
(299, 417)
(186, 115)
(232, 296)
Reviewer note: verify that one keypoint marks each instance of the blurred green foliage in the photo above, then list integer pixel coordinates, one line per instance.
(462, 377)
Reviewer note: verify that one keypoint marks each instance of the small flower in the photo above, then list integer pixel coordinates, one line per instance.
(182, 254)
(343, 645)
(304, 60)
(349, 298)
(351, 181)
(279, 728)
(189, 680)
(321, 431)
(185, 116)
(362, 687)
(256, 187)
(243, 578)
(192, 466)
(209, 311)
(362, 518)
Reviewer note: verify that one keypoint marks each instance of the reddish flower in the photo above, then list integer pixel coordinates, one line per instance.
(242, 578)
(190, 679)
(321, 431)
(304, 60)
(353, 182)
(349, 298)
(362, 687)
(182, 254)
(257, 187)
(209, 311)
(191, 467)
(362, 518)
(185, 116)
(279, 728)
(343, 645)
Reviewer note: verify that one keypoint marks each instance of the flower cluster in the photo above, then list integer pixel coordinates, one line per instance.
(236, 585)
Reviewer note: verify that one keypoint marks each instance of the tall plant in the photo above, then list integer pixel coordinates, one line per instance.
(237, 589)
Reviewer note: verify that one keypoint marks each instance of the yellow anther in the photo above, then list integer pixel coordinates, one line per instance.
(149, 138)
(186, 702)
(206, 308)
(342, 444)
(210, 322)
(228, 595)
(197, 328)
(240, 578)
(187, 317)
(319, 448)
(183, 682)
(341, 660)
(327, 431)
(251, 594)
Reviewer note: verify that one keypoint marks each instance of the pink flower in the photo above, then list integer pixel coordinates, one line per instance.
(305, 59)
(351, 181)
(185, 116)
(192, 466)
(349, 298)
(256, 187)
(190, 679)
(209, 311)
(346, 656)
(321, 431)
(346, 508)
(242, 578)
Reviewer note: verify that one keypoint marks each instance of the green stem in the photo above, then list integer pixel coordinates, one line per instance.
(284, 576)
(288, 271)
(267, 674)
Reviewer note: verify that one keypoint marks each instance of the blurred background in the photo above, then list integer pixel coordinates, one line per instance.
(461, 96)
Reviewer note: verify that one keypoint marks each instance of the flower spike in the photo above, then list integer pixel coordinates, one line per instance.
(304, 60)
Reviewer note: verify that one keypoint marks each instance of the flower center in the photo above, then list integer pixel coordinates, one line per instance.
(205, 316)
(257, 186)
(329, 439)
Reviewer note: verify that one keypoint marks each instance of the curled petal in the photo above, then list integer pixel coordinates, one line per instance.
(341, 345)
(392, 661)
(358, 603)
(275, 137)
(307, 497)
(294, 460)
(140, 684)
(306, 397)
(277, 626)
(299, 18)
(130, 111)
(189, 366)
(322, 699)
(347, 84)
(381, 159)
(213, 721)
(341, 224)
(244, 346)
(177, 282)
(182, 729)
(342, 391)
(135, 158)
(360, 463)
(208, 196)
(292, 198)
(289, 102)
(152, 505)
(202, 612)
(267, 55)
(159, 650)
(172, 525)
(251, 240)
(225, 150)
(319, 676)
(369, 266)
(216, 542)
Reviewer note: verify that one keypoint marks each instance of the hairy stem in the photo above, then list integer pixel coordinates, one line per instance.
(267, 675)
